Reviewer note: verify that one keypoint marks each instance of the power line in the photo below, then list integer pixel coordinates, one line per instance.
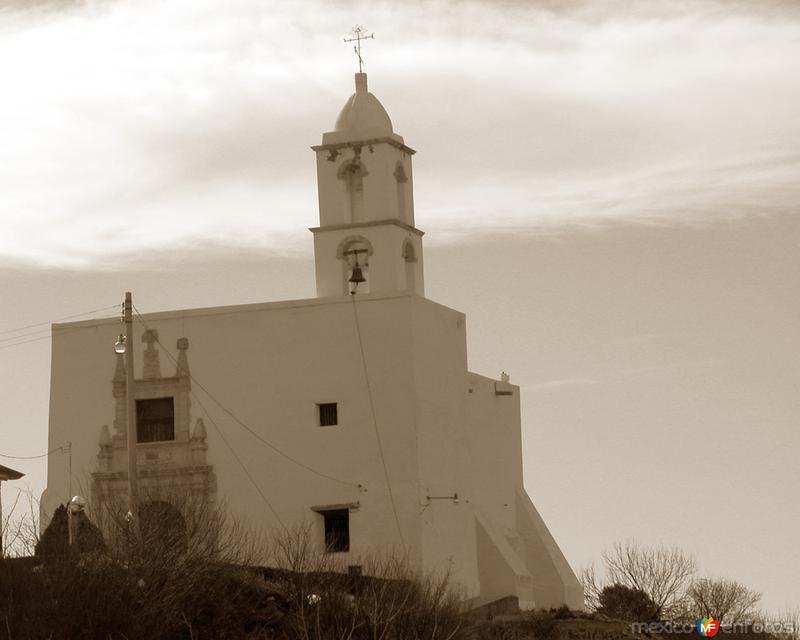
(26, 335)
(47, 322)
(239, 460)
(375, 423)
(42, 455)
(242, 424)
(10, 340)
(44, 337)
(16, 344)
(217, 429)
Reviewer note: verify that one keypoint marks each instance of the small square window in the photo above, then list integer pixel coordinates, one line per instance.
(155, 420)
(328, 414)
(337, 530)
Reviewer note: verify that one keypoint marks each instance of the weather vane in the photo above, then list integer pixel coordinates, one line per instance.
(359, 34)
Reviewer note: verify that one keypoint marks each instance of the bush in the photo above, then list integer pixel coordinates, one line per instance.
(623, 603)
(95, 597)
(202, 581)
(562, 613)
(389, 601)
(55, 538)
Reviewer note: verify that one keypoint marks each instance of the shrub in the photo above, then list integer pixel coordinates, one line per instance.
(623, 603)
(389, 601)
(201, 581)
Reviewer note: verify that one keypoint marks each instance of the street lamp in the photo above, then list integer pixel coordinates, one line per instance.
(75, 506)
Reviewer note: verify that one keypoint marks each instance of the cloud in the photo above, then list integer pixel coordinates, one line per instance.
(135, 125)
(560, 384)
(663, 368)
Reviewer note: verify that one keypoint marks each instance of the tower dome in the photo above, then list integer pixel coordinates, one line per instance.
(362, 117)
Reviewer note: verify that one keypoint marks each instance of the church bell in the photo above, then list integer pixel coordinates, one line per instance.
(357, 276)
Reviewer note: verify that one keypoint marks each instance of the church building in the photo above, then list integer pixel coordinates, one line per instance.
(353, 413)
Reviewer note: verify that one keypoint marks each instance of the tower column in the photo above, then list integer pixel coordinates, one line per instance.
(366, 203)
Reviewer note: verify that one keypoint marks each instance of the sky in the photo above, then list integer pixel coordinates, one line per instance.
(610, 191)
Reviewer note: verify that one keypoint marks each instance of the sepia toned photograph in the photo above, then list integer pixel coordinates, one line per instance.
(437, 320)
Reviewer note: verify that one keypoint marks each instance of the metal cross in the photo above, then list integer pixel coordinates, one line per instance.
(359, 34)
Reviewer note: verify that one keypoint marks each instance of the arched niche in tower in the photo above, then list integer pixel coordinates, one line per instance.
(401, 180)
(352, 173)
(354, 251)
(409, 255)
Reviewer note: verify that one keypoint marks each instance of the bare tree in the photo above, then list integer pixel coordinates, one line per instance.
(21, 525)
(724, 599)
(591, 588)
(786, 622)
(663, 573)
(389, 600)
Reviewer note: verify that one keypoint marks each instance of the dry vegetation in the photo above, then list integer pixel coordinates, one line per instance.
(207, 580)
(652, 584)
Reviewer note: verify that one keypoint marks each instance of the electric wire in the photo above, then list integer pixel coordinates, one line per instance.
(16, 344)
(44, 337)
(239, 460)
(42, 455)
(218, 430)
(246, 427)
(41, 334)
(375, 422)
(28, 334)
(47, 322)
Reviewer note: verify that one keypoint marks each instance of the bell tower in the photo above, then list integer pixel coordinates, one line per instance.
(366, 241)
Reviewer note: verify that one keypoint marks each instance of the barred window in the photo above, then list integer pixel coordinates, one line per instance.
(155, 420)
(337, 530)
(328, 414)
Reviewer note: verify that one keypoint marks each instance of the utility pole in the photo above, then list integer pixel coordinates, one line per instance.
(130, 401)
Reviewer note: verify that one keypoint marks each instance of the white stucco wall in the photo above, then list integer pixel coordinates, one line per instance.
(380, 161)
(444, 430)
(386, 266)
(269, 364)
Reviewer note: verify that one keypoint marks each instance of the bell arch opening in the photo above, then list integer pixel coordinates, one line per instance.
(354, 253)
(409, 254)
(352, 173)
(401, 181)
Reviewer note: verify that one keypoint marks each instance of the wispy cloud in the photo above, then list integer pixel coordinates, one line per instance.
(559, 384)
(615, 374)
(129, 125)
(665, 367)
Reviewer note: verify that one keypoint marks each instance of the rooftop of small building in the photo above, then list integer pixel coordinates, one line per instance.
(7, 473)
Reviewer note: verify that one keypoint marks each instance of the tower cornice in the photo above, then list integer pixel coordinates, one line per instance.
(336, 146)
(368, 223)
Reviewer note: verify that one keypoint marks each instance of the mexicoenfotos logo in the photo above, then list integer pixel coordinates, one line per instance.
(707, 627)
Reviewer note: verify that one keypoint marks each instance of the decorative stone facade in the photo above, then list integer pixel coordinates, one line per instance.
(178, 465)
